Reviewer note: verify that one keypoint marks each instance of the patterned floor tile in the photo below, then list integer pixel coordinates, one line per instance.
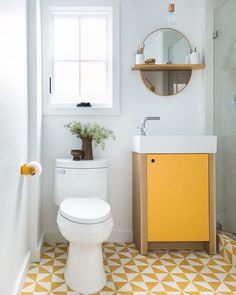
(227, 247)
(128, 272)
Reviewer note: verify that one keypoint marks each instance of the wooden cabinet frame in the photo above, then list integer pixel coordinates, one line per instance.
(139, 185)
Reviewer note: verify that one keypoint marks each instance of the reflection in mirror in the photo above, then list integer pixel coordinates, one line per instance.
(166, 82)
(167, 46)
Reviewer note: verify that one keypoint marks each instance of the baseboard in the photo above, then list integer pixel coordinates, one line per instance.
(22, 274)
(121, 236)
(36, 253)
(52, 238)
(118, 236)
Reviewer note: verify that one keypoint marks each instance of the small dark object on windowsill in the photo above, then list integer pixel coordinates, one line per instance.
(83, 104)
(77, 155)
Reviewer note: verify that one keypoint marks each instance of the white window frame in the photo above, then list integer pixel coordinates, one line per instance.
(109, 8)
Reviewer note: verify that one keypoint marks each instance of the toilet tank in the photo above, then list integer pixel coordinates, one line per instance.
(76, 179)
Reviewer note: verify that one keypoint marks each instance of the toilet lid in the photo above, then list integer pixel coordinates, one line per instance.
(85, 210)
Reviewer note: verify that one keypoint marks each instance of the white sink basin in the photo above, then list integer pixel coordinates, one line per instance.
(175, 144)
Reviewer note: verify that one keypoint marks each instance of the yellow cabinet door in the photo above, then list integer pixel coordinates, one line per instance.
(178, 198)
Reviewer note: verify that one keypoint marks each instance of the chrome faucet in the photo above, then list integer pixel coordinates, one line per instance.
(143, 126)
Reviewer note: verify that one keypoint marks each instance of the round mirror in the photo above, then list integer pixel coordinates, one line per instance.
(166, 46)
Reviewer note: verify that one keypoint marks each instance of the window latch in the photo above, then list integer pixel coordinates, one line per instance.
(84, 104)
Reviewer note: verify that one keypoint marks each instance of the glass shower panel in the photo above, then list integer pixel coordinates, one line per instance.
(225, 112)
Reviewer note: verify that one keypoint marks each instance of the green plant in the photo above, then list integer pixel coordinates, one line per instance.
(91, 131)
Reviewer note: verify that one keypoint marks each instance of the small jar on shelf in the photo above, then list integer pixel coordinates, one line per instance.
(139, 58)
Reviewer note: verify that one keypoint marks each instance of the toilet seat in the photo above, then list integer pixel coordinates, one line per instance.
(85, 210)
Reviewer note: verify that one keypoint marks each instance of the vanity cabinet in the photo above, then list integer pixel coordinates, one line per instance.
(174, 201)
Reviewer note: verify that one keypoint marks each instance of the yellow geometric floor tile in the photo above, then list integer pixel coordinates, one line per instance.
(128, 272)
(227, 247)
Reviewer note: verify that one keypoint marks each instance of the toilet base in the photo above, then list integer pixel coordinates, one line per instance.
(84, 269)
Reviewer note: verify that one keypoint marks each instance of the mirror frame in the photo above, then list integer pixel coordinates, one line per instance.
(166, 28)
(191, 48)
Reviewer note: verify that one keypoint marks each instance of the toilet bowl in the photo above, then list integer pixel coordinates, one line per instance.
(85, 220)
(86, 233)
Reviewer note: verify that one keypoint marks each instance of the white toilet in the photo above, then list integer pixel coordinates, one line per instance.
(84, 219)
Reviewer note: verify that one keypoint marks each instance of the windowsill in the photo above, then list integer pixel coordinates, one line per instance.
(81, 111)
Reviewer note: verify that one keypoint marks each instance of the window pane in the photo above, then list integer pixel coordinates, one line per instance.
(93, 39)
(65, 82)
(94, 82)
(65, 38)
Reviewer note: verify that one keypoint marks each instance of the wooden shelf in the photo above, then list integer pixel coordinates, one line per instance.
(168, 67)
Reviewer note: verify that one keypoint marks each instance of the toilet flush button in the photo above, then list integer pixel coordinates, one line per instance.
(62, 171)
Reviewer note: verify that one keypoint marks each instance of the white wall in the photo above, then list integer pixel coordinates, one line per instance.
(180, 114)
(14, 251)
(35, 122)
